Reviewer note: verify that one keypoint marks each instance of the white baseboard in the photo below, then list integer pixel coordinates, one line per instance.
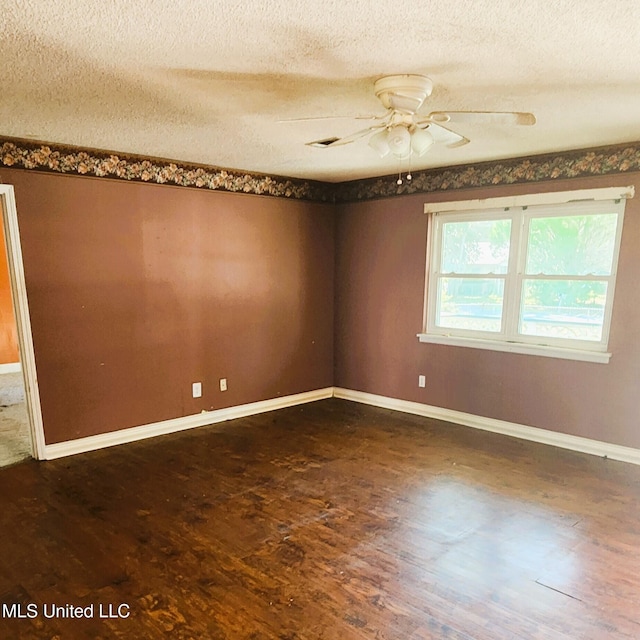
(524, 432)
(562, 440)
(91, 443)
(11, 367)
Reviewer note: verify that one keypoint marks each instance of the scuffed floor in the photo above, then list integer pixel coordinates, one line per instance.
(14, 421)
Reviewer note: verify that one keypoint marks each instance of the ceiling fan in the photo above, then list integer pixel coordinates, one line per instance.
(402, 132)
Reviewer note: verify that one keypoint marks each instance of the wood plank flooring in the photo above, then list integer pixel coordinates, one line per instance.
(327, 521)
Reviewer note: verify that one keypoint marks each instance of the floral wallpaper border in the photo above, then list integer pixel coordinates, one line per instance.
(22, 154)
(621, 158)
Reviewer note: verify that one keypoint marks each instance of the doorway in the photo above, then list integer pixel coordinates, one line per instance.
(21, 430)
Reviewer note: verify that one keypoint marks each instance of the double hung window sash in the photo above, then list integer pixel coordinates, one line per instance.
(567, 275)
(471, 269)
(538, 275)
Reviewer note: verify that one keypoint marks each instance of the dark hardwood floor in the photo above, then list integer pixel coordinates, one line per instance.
(327, 521)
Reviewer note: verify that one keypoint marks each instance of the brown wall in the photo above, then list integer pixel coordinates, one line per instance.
(8, 327)
(380, 276)
(138, 290)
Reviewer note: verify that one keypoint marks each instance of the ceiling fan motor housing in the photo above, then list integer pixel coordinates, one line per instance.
(404, 93)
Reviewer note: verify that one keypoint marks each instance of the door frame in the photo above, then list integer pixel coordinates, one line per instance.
(23, 320)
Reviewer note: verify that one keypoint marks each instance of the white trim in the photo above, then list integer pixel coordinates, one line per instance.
(530, 199)
(10, 367)
(535, 434)
(23, 320)
(601, 357)
(510, 331)
(113, 438)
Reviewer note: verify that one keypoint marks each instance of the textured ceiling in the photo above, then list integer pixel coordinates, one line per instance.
(206, 82)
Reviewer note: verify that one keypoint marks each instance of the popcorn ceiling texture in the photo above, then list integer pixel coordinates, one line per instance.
(205, 82)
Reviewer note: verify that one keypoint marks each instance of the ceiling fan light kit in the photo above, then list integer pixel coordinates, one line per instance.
(378, 142)
(402, 141)
(403, 132)
(421, 141)
(399, 141)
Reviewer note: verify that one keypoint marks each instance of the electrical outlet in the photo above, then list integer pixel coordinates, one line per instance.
(422, 381)
(196, 389)
(223, 384)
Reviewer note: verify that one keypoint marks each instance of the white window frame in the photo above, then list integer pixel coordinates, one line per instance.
(521, 210)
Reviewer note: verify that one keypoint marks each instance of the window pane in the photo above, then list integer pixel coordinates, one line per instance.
(569, 309)
(572, 245)
(470, 303)
(480, 246)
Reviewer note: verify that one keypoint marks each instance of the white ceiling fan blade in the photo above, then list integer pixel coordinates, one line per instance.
(442, 135)
(338, 142)
(311, 118)
(486, 117)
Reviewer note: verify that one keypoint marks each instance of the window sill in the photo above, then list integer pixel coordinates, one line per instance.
(515, 347)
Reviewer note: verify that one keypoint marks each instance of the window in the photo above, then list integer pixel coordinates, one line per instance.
(530, 278)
